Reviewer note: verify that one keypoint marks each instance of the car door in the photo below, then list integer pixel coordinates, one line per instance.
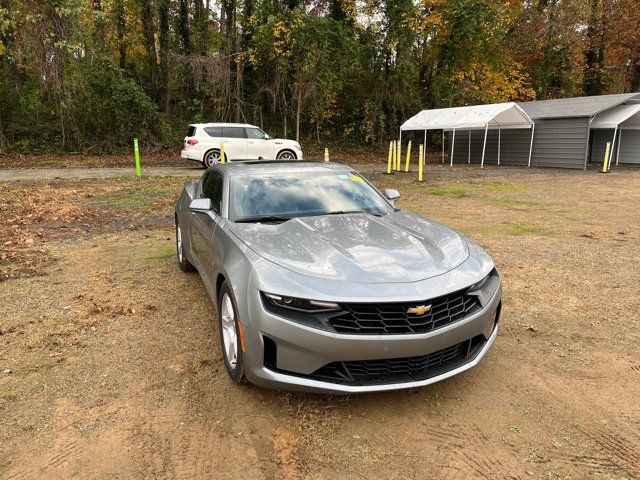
(204, 224)
(257, 144)
(235, 143)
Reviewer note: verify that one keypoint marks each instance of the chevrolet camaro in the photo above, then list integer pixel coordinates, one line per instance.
(322, 284)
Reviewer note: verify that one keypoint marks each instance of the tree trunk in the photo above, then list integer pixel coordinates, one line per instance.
(148, 29)
(120, 30)
(183, 26)
(163, 88)
(594, 53)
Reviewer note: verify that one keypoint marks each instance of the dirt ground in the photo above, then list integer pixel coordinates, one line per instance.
(110, 365)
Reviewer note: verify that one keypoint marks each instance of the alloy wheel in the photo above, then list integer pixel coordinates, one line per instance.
(229, 334)
(287, 156)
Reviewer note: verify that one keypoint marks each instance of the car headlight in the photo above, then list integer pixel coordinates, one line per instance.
(300, 304)
(486, 288)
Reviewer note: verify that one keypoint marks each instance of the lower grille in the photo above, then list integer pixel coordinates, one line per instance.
(396, 370)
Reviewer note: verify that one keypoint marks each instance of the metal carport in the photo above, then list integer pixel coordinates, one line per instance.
(611, 126)
(479, 118)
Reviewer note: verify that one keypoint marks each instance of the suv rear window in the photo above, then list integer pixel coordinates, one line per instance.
(233, 132)
(213, 131)
(191, 132)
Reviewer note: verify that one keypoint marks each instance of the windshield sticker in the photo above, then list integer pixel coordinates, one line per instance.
(355, 178)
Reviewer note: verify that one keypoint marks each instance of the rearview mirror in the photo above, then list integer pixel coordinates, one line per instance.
(391, 194)
(200, 205)
(267, 136)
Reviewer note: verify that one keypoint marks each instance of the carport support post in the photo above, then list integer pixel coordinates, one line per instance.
(499, 139)
(469, 159)
(424, 159)
(453, 145)
(442, 146)
(619, 145)
(533, 127)
(136, 154)
(613, 145)
(484, 145)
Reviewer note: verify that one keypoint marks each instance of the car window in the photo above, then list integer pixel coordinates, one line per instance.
(233, 132)
(213, 131)
(191, 132)
(255, 133)
(302, 194)
(212, 188)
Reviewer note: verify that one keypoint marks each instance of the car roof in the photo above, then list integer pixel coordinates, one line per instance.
(213, 124)
(279, 166)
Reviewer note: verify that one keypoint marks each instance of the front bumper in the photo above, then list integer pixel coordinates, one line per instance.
(302, 350)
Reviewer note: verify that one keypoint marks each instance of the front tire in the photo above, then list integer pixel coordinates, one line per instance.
(286, 155)
(230, 339)
(184, 264)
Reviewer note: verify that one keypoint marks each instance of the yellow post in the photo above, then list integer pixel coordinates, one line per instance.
(222, 152)
(390, 157)
(399, 155)
(605, 164)
(406, 167)
(326, 154)
(420, 163)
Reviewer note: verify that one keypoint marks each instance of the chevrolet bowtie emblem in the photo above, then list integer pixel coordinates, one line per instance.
(419, 310)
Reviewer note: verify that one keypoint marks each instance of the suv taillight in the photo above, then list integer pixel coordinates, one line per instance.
(192, 141)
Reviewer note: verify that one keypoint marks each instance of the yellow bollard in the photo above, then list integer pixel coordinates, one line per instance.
(222, 160)
(605, 164)
(326, 154)
(420, 163)
(399, 155)
(406, 167)
(390, 157)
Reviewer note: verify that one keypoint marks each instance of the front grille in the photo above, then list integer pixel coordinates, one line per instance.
(393, 318)
(395, 370)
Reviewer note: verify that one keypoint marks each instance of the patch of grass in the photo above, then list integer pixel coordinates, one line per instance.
(497, 186)
(160, 252)
(509, 202)
(455, 192)
(523, 228)
(138, 197)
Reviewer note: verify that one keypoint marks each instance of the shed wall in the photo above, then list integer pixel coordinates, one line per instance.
(630, 146)
(560, 142)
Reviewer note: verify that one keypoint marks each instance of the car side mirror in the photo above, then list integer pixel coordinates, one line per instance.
(267, 136)
(392, 194)
(201, 205)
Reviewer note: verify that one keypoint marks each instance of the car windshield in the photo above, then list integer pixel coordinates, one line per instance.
(286, 195)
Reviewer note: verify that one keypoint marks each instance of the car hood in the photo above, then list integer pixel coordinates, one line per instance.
(358, 248)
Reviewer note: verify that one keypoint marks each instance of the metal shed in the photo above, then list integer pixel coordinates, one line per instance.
(569, 133)
(564, 136)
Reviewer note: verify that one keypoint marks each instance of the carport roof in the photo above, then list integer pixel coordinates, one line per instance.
(575, 107)
(625, 116)
(497, 115)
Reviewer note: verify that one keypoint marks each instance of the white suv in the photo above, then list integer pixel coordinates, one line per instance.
(241, 142)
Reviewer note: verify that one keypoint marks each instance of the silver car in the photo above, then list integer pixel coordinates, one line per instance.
(322, 284)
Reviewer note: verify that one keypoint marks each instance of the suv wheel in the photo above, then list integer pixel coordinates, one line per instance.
(212, 157)
(286, 155)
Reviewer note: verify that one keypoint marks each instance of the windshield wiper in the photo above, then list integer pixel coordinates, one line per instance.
(343, 212)
(262, 218)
